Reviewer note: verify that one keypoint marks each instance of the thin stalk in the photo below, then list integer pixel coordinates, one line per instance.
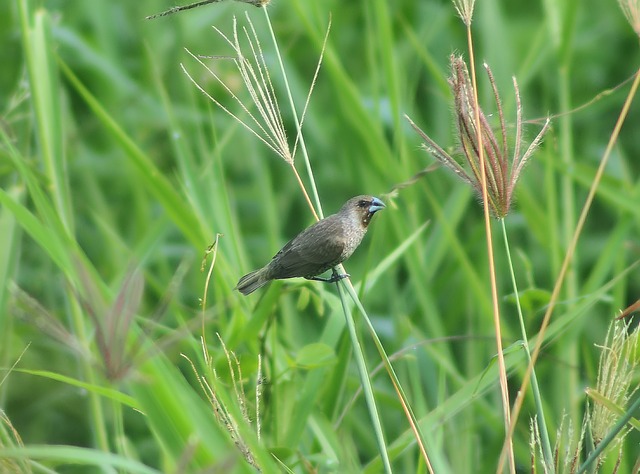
(357, 348)
(303, 147)
(542, 425)
(567, 183)
(413, 422)
(120, 439)
(570, 252)
(366, 382)
(213, 250)
(492, 270)
(568, 351)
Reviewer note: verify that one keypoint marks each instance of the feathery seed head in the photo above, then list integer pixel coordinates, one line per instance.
(465, 10)
(618, 362)
(264, 119)
(631, 10)
(502, 172)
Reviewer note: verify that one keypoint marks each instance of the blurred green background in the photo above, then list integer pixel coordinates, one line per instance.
(125, 164)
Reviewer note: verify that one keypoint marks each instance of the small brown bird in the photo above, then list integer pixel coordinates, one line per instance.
(318, 248)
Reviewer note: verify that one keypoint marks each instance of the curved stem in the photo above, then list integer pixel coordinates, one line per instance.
(364, 378)
(413, 422)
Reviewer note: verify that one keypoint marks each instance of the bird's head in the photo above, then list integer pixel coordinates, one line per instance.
(362, 208)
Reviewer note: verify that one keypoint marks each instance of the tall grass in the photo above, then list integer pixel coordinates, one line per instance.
(118, 173)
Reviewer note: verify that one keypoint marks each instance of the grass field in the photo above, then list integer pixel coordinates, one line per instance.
(123, 351)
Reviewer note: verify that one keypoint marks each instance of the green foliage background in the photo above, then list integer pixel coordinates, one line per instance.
(112, 160)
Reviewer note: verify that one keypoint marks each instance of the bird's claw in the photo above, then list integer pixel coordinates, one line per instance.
(334, 278)
(338, 276)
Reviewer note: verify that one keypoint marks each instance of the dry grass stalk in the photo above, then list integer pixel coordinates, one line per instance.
(10, 438)
(171, 11)
(222, 413)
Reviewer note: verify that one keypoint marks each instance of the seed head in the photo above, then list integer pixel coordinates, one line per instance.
(465, 10)
(502, 167)
(631, 9)
(618, 362)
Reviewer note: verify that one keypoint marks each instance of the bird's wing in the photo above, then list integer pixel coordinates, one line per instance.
(311, 251)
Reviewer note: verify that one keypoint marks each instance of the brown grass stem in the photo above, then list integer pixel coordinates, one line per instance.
(504, 392)
(567, 260)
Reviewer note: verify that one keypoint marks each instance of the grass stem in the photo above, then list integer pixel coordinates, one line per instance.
(357, 348)
(492, 270)
(305, 154)
(367, 388)
(542, 425)
(413, 422)
(571, 249)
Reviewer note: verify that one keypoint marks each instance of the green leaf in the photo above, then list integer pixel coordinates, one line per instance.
(315, 355)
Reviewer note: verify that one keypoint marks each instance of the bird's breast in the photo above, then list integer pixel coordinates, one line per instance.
(353, 237)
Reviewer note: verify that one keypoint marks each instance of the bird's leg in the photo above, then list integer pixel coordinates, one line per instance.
(335, 277)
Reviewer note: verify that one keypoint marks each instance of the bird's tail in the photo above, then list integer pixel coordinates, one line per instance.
(252, 281)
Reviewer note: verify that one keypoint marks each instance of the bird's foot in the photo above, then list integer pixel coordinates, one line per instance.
(335, 277)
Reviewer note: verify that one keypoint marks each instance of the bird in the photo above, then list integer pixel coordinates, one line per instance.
(318, 248)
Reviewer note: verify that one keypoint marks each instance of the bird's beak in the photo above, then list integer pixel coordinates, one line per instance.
(376, 205)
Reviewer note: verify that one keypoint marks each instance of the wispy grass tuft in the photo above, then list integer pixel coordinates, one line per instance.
(465, 10)
(631, 10)
(267, 125)
(566, 451)
(255, 75)
(10, 438)
(224, 414)
(603, 426)
(614, 389)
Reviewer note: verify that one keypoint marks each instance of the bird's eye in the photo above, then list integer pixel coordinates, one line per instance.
(363, 204)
